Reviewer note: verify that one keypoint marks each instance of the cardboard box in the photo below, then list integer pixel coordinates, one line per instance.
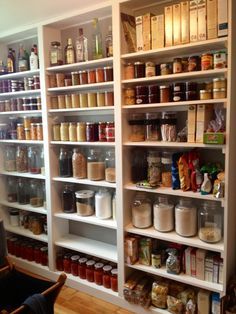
(139, 33)
(204, 116)
(158, 31)
(216, 264)
(214, 138)
(184, 22)
(192, 110)
(176, 24)
(212, 19)
(209, 268)
(200, 264)
(222, 18)
(187, 255)
(193, 25)
(131, 250)
(147, 31)
(201, 16)
(221, 266)
(168, 26)
(193, 262)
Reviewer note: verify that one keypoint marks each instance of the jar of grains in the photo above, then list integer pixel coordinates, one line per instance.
(185, 218)
(141, 211)
(110, 171)
(79, 164)
(163, 213)
(95, 165)
(103, 209)
(154, 168)
(81, 131)
(137, 125)
(21, 159)
(166, 174)
(10, 158)
(85, 202)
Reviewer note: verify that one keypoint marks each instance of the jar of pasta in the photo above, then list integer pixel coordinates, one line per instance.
(79, 164)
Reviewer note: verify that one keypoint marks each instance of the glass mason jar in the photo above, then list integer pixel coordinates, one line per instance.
(166, 174)
(163, 213)
(65, 163)
(11, 190)
(137, 127)
(210, 223)
(141, 211)
(36, 193)
(95, 165)
(23, 191)
(41, 162)
(10, 158)
(152, 132)
(34, 160)
(79, 164)
(154, 168)
(168, 126)
(85, 202)
(185, 218)
(138, 165)
(103, 209)
(110, 171)
(21, 159)
(68, 199)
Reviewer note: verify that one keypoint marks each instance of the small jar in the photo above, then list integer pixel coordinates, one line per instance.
(168, 126)
(166, 174)
(64, 131)
(85, 202)
(37, 226)
(163, 213)
(102, 131)
(44, 256)
(83, 100)
(206, 61)
(219, 82)
(95, 165)
(75, 78)
(178, 96)
(99, 75)
(81, 131)
(141, 211)
(79, 164)
(83, 77)
(92, 100)
(110, 131)
(91, 132)
(150, 69)
(68, 199)
(110, 171)
(75, 101)
(72, 132)
(33, 131)
(61, 101)
(37, 254)
(193, 63)
(56, 133)
(109, 98)
(108, 74)
(219, 93)
(82, 267)
(74, 265)
(90, 270)
(129, 71)
(67, 263)
(177, 65)
(129, 96)
(205, 94)
(27, 121)
(166, 68)
(106, 280)
(103, 208)
(154, 168)
(114, 281)
(100, 99)
(185, 218)
(29, 252)
(165, 93)
(98, 273)
(20, 131)
(139, 69)
(137, 125)
(14, 217)
(91, 76)
(68, 101)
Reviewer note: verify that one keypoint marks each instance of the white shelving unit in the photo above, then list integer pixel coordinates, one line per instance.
(104, 238)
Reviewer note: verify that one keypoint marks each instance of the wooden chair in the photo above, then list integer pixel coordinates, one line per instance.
(16, 286)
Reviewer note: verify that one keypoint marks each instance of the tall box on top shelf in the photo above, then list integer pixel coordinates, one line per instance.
(201, 16)
(222, 18)
(212, 19)
(204, 116)
(184, 22)
(147, 31)
(192, 109)
(158, 31)
(193, 21)
(177, 24)
(139, 32)
(168, 26)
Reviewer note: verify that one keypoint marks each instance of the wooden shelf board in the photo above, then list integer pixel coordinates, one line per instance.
(84, 87)
(88, 246)
(83, 143)
(85, 181)
(22, 174)
(18, 75)
(26, 233)
(27, 207)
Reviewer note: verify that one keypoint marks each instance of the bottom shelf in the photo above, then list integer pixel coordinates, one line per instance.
(30, 266)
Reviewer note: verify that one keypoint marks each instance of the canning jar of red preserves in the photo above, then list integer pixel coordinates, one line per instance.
(82, 267)
(74, 265)
(114, 281)
(67, 263)
(107, 276)
(90, 270)
(98, 273)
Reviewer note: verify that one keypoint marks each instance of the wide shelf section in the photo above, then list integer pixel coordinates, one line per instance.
(83, 143)
(30, 142)
(21, 112)
(173, 51)
(26, 233)
(18, 75)
(81, 65)
(85, 111)
(20, 93)
(85, 181)
(93, 220)
(22, 174)
(27, 207)
(88, 246)
(170, 191)
(84, 87)
(174, 237)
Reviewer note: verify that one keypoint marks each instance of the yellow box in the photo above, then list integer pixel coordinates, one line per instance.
(139, 33)
(158, 31)
(192, 123)
(168, 26)
(212, 19)
(177, 24)
(147, 40)
(204, 116)
(201, 16)
(184, 22)
(222, 18)
(193, 20)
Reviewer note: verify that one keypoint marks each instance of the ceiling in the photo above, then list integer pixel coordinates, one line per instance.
(19, 13)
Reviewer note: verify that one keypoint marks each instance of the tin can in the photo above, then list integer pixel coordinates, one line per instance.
(206, 61)
(110, 132)
(220, 60)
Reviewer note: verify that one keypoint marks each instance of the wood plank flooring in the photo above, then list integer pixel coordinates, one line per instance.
(71, 301)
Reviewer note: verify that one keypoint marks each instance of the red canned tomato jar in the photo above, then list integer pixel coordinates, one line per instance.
(98, 273)
(110, 132)
(75, 265)
(102, 131)
(90, 270)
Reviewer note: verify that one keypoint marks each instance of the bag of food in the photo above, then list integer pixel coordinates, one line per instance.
(159, 294)
(175, 305)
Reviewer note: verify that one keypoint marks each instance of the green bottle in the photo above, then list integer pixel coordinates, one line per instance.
(97, 41)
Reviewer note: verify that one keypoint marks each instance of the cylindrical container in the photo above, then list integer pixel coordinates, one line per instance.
(177, 65)
(65, 163)
(61, 101)
(21, 159)
(91, 76)
(95, 165)
(92, 100)
(103, 208)
(110, 131)
(100, 99)
(91, 132)
(205, 94)
(166, 68)
(114, 280)
(165, 93)
(75, 101)
(206, 61)
(99, 75)
(14, 217)
(128, 71)
(34, 166)
(10, 158)
(168, 126)
(68, 101)
(75, 78)
(64, 131)
(27, 121)
(166, 174)
(67, 263)
(68, 81)
(56, 134)
(193, 63)
(102, 131)
(72, 132)
(150, 69)
(141, 90)
(36, 194)
(98, 273)
(54, 102)
(219, 93)
(109, 98)
(83, 77)
(11, 190)
(39, 130)
(129, 96)
(185, 218)
(68, 199)
(141, 211)
(79, 164)
(82, 267)
(108, 74)
(210, 223)
(90, 270)
(20, 131)
(110, 170)
(219, 82)
(137, 127)
(83, 100)
(220, 59)
(139, 69)
(154, 168)
(60, 78)
(74, 265)
(85, 202)
(106, 279)
(81, 131)
(37, 225)
(163, 213)
(52, 80)
(22, 192)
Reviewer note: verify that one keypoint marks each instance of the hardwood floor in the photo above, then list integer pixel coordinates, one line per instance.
(71, 301)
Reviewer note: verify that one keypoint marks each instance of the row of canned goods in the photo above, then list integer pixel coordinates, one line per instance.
(91, 76)
(84, 131)
(21, 104)
(92, 269)
(29, 83)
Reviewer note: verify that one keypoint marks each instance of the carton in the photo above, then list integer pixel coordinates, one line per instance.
(168, 26)
(187, 255)
(192, 110)
(177, 24)
(201, 16)
(131, 250)
(193, 21)
(204, 116)
(139, 33)
(209, 268)
(184, 22)
(200, 264)
(222, 18)
(212, 19)
(147, 31)
(158, 31)
(193, 262)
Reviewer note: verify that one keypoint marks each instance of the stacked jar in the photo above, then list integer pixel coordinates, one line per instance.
(20, 104)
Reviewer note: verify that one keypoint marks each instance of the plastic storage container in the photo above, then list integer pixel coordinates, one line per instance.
(85, 202)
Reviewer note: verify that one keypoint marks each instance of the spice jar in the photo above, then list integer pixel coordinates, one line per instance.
(152, 129)
(82, 267)
(219, 93)
(65, 163)
(68, 199)
(98, 273)
(95, 165)
(163, 213)
(68, 101)
(81, 131)
(72, 132)
(14, 217)
(114, 281)
(34, 165)
(74, 265)
(129, 71)
(64, 131)
(60, 78)
(166, 174)
(33, 131)
(83, 77)
(205, 94)
(55, 54)
(39, 130)
(102, 131)
(185, 218)
(79, 164)
(141, 211)
(103, 208)
(150, 69)
(154, 168)
(168, 126)
(106, 280)
(108, 74)
(137, 127)
(110, 170)
(210, 223)
(91, 76)
(20, 131)
(85, 202)
(99, 75)
(177, 65)
(90, 270)
(206, 61)
(165, 93)
(36, 194)
(61, 102)
(219, 82)
(67, 263)
(139, 69)
(10, 158)
(21, 159)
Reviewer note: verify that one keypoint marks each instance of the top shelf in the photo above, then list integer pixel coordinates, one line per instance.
(82, 65)
(18, 75)
(198, 47)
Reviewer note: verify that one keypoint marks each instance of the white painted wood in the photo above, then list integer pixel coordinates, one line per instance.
(27, 207)
(29, 142)
(22, 174)
(20, 113)
(19, 75)
(102, 144)
(85, 181)
(26, 233)
(85, 111)
(84, 87)
(35, 92)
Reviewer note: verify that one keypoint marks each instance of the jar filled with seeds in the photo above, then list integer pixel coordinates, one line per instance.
(79, 164)
(10, 158)
(21, 159)
(95, 165)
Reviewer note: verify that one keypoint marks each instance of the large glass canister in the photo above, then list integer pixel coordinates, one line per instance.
(154, 168)
(68, 199)
(11, 190)
(137, 127)
(152, 127)
(141, 211)
(10, 158)
(79, 164)
(85, 202)
(210, 222)
(138, 165)
(168, 126)
(95, 165)
(21, 159)
(166, 173)
(36, 193)
(185, 218)
(65, 163)
(34, 165)
(110, 170)
(163, 212)
(23, 191)
(103, 206)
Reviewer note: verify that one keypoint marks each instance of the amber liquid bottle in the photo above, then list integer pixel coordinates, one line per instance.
(69, 52)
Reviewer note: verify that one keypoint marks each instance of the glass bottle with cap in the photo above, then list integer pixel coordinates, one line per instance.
(163, 212)
(141, 211)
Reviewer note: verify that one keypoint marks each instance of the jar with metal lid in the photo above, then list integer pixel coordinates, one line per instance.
(194, 63)
(37, 226)
(14, 217)
(110, 170)
(150, 69)
(95, 165)
(83, 77)
(166, 68)
(102, 131)
(21, 159)
(34, 164)
(110, 131)
(85, 202)
(185, 218)
(141, 211)
(55, 53)
(163, 213)
(219, 93)
(83, 100)
(100, 99)
(65, 163)
(206, 61)
(72, 132)
(219, 82)
(108, 74)
(20, 131)
(92, 100)
(109, 98)
(205, 94)
(10, 158)
(128, 71)
(79, 164)
(103, 208)
(56, 133)
(166, 173)
(68, 199)
(91, 132)
(168, 126)
(210, 223)
(98, 273)
(114, 280)
(23, 192)
(74, 265)
(81, 131)
(67, 263)
(165, 93)
(137, 127)
(139, 69)
(220, 59)
(64, 131)
(36, 193)
(106, 279)
(177, 65)
(90, 270)
(82, 267)
(11, 190)
(154, 168)
(99, 75)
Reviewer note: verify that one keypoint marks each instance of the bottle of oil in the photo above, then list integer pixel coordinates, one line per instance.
(10, 61)
(69, 52)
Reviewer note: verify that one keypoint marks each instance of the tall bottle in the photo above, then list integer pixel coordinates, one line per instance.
(10, 61)
(97, 41)
(34, 64)
(81, 47)
(22, 59)
(69, 52)
(109, 44)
